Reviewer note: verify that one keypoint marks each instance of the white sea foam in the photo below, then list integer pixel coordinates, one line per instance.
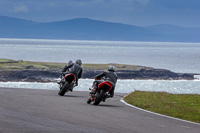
(122, 86)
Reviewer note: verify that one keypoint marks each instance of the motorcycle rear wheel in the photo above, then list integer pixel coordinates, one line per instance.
(98, 99)
(64, 89)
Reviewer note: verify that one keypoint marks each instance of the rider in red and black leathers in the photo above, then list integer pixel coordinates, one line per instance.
(109, 75)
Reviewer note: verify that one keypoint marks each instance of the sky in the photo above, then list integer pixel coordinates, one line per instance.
(134, 12)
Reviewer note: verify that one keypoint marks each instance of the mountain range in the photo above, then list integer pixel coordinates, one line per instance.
(88, 29)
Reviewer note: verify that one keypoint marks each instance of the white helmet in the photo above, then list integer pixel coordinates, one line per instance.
(79, 62)
(111, 68)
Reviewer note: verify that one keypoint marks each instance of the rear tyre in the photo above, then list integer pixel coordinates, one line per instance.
(98, 99)
(64, 89)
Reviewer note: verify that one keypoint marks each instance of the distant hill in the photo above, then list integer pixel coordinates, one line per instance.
(88, 29)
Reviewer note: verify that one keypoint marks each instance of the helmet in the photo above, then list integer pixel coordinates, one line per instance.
(70, 62)
(79, 62)
(111, 68)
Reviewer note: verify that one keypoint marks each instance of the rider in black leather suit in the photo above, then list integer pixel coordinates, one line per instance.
(109, 75)
(65, 69)
(74, 68)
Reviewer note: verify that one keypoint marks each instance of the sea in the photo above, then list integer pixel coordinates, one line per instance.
(175, 56)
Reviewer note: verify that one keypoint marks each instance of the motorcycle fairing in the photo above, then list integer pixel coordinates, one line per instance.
(70, 75)
(109, 84)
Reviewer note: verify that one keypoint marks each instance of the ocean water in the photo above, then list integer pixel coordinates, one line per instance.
(174, 56)
(122, 86)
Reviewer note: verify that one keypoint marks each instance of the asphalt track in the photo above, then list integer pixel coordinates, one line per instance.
(43, 111)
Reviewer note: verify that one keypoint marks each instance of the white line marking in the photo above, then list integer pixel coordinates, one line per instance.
(157, 113)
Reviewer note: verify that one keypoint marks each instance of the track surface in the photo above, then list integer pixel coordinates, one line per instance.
(43, 111)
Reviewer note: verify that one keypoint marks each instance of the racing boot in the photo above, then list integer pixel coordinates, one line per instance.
(61, 81)
(58, 82)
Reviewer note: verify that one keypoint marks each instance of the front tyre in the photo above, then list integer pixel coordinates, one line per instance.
(99, 98)
(64, 89)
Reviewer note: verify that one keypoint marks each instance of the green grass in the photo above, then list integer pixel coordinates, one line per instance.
(183, 106)
(5, 60)
(13, 65)
(10, 65)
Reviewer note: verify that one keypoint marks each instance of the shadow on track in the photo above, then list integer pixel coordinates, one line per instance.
(107, 105)
(72, 96)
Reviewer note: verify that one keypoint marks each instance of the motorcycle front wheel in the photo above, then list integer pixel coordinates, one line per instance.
(64, 89)
(99, 97)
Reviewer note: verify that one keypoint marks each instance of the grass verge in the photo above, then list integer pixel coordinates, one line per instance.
(183, 106)
(17, 65)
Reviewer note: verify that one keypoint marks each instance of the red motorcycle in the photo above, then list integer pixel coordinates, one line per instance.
(67, 84)
(101, 93)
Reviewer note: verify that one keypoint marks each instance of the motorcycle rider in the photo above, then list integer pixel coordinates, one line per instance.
(74, 68)
(65, 69)
(109, 75)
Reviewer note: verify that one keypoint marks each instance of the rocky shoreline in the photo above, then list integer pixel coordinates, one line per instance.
(49, 76)
(12, 70)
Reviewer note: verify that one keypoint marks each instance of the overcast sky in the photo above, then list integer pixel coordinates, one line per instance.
(135, 12)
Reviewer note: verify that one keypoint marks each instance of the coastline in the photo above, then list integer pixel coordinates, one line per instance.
(12, 70)
(49, 76)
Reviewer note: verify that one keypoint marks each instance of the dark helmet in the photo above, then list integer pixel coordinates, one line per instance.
(111, 68)
(70, 62)
(79, 62)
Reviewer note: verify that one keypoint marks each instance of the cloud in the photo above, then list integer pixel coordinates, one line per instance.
(21, 8)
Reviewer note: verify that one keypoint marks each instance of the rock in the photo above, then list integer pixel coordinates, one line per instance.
(28, 75)
(47, 76)
(30, 67)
